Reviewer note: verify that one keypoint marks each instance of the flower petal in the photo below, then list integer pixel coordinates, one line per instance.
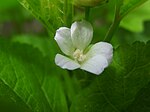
(81, 34)
(101, 48)
(63, 39)
(65, 62)
(95, 64)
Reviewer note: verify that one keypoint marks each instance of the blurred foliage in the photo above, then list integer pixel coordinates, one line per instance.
(134, 21)
(15, 20)
(31, 82)
(7, 4)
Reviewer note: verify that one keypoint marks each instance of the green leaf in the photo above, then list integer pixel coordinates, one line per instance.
(9, 99)
(7, 4)
(41, 43)
(49, 12)
(129, 5)
(142, 101)
(44, 45)
(30, 80)
(117, 88)
(134, 21)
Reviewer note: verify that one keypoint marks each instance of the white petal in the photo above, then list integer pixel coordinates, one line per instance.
(63, 38)
(102, 48)
(65, 62)
(81, 34)
(95, 64)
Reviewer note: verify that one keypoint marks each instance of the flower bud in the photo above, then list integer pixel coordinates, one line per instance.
(90, 3)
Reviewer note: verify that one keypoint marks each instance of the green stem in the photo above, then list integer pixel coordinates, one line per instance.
(65, 11)
(70, 14)
(68, 9)
(113, 28)
(87, 13)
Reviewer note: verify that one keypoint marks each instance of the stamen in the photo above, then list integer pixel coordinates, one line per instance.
(79, 56)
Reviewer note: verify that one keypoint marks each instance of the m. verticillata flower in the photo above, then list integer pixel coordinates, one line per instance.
(74, 43)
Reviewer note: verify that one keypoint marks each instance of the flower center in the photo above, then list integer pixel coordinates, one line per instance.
(78, 55)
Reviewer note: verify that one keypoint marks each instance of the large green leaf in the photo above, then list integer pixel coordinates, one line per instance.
(41, 43)
(116, 89)
(9, 99)
(49, 12)
(30, 81)
(142, 101)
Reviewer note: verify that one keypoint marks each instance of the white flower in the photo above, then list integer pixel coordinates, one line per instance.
(74, 43)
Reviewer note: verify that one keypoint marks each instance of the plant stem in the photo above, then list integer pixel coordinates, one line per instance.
(70, 14)
(68, 9)
(87, 13)
(65, 11)
(113, 28)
